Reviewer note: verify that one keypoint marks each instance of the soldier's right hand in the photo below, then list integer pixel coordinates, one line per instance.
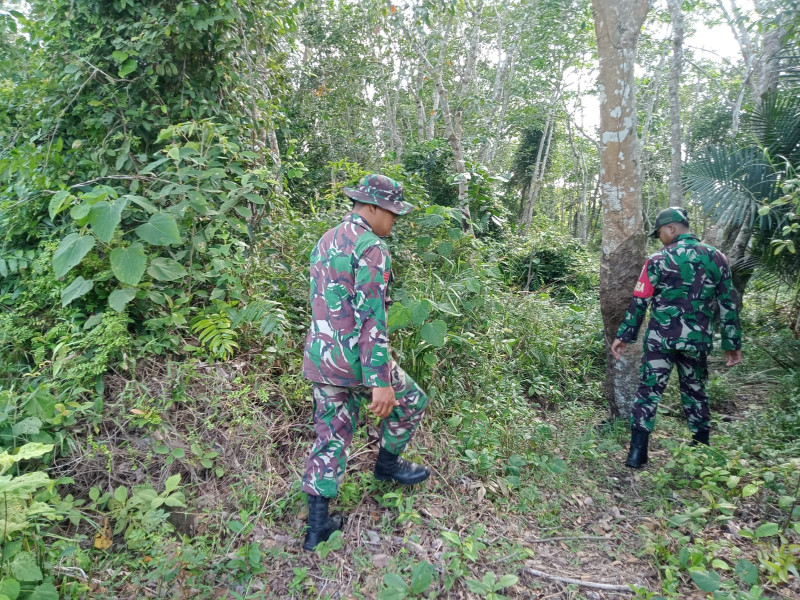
(383, 402)
(618, 348)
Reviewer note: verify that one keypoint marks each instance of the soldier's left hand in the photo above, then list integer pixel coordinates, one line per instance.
(383, 402)
(732, 357)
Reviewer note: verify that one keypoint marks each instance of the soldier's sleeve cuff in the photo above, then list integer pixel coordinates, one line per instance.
(380, 377)
(731, 345)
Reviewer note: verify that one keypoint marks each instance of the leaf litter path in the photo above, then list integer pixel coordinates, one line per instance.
(587, 525)
(594, 497)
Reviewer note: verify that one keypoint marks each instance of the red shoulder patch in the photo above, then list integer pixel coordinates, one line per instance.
(386, 277)
(643, 289)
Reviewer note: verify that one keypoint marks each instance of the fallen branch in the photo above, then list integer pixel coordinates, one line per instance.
(589, 584)
(562, 538)
(75, 573)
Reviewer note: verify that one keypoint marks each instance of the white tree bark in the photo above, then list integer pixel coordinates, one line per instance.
(537, 177)
(617, 27)
(419, 80)
(676, 140)
(580, 163)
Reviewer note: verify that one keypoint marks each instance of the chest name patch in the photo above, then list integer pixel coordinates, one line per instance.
(643, 289)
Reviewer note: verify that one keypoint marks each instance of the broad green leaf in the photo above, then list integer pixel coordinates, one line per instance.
(25, 485)
(75, 290)
(767, 529)
(420, 310)
(45, 591)
(749, 490)
(399, 316)
(143, 203)
(32, 450)
(421, 577)
(56, 203)
(434, 332)
(70, 252)
(24, 567)
(128, 67)
(172, 483)
(160, 230)
(121, 494)
(708, 581)
(507, 581)
(166, 269)
(477, 587)
(393, 580)
(104, 218)
(27, 426)
(118, 299)
(93, 321)
(128, 264)
(80, 211)
(445, 248)
(747, 571)
(9, 587)
(119, 56)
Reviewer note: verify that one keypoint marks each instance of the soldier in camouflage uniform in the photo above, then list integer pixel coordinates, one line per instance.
(347, 352)
(682, 280)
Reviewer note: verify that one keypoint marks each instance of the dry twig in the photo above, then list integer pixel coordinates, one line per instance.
(568, 580)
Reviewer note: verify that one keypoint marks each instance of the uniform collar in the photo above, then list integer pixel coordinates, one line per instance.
(357, 219)
(682, 238)
(685, 236)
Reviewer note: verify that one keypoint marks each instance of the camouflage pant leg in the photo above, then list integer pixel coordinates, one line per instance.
(693, 373)
(335, 419)
(399, 426)
(656, 366)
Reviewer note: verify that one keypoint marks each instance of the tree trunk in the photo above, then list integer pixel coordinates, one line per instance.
(676, 142)
(580, 211)
(436, 73)
(417, 90)
(617, 27)
(452, 137)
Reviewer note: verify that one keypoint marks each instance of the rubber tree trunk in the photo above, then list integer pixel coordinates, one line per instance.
(617, 27)
(676, 141)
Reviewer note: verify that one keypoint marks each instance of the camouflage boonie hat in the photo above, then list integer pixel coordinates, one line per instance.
(381, 191)
(673, 214)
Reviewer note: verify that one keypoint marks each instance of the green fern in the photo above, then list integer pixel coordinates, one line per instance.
(268, 315)
(214, 331)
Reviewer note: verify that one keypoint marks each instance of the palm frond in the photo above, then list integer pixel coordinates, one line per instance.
(775, 123)
(730, 183)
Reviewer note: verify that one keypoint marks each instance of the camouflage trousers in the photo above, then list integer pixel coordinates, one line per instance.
(692, 374)
(335, 419)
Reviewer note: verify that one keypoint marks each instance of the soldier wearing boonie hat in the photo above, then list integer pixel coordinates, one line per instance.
(680, 282)
(347, 356)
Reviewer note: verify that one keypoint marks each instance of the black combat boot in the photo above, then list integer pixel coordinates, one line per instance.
(700, 437)
(390, 467)
(637, 455)
(320, 525)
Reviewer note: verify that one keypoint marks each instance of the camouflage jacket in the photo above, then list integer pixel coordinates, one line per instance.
(683, 279)
(347, 344)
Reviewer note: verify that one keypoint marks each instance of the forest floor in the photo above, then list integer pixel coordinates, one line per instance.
(569, 508)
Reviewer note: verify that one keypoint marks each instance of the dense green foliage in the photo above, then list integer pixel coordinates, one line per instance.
(166, 167)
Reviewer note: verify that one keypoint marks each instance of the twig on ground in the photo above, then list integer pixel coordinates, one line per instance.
(75, 573)
(562, 538)
(580, 582)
